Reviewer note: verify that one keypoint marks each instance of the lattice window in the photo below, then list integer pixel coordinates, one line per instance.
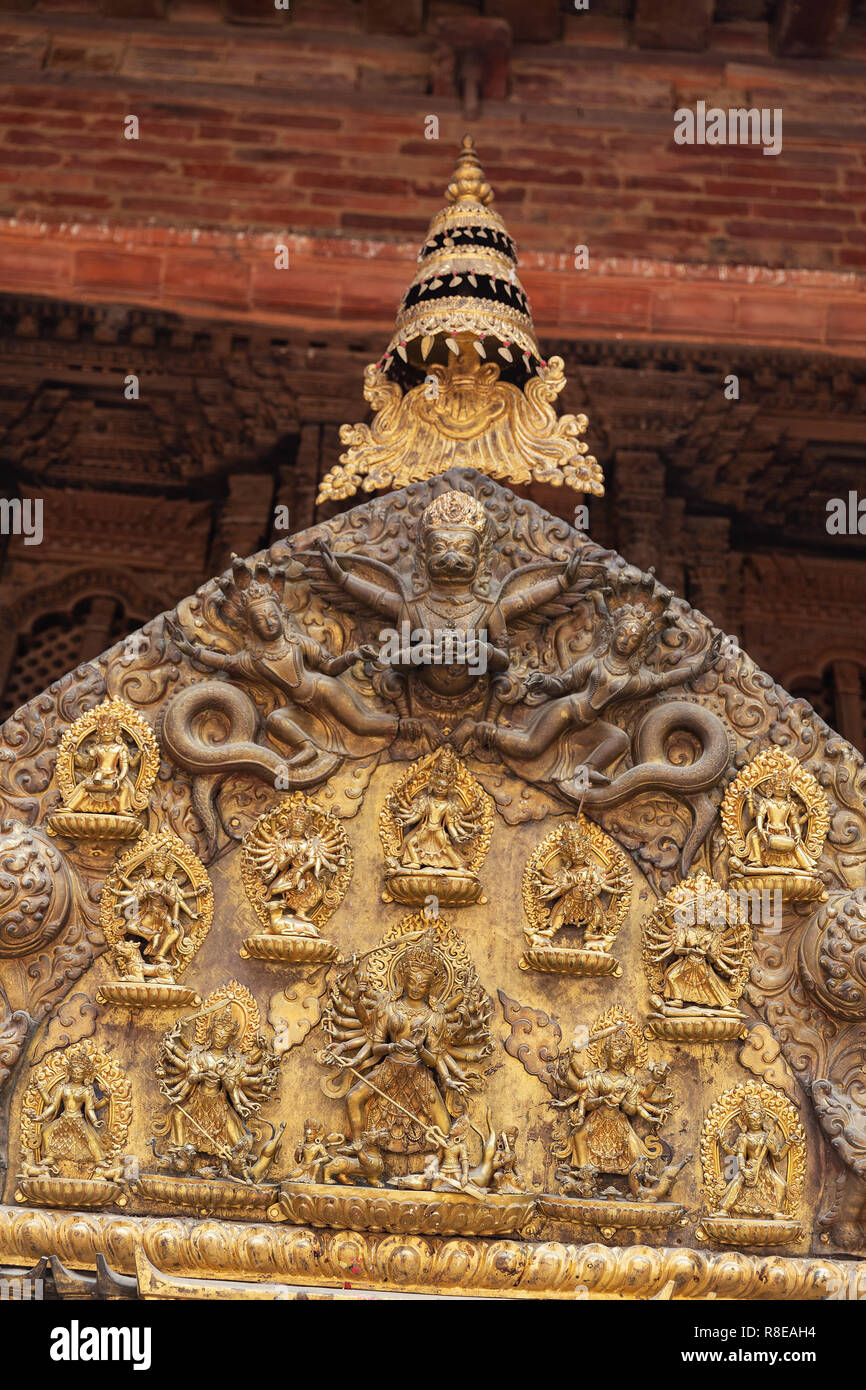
(44, 654)
(821, 694)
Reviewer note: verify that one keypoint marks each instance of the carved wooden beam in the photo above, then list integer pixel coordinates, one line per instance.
(673, 24)
(393, 16)
(471, 60)
(806, 30)
(540, 22)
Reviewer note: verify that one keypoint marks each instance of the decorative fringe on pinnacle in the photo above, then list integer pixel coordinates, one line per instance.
(462, 381)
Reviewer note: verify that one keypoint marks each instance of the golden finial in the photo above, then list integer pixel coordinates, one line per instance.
(468, 183)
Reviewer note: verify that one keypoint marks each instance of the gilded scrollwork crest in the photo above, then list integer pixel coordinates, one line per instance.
(156, 910)
(576, 894)
(76, 1114)
(753, 1156)
(107, 763)
(775, 818)
(296, 865)
(697, 954)
(435, 826)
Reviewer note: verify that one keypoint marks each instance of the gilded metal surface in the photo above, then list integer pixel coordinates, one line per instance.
(577, 881)
(106, 764)
(435, 828)
(697, 954)
(775, 818)
(155, 912)
(753, 1155)
(296, 866)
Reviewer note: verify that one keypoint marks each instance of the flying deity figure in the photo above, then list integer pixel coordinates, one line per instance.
(568, 734)
(457, 599)
(102, 764)
(319, 711)
(411, 1051)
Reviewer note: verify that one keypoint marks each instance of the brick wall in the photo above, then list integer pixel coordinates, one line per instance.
(316, 128)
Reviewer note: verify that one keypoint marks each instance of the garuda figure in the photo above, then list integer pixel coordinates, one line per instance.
(456, 600)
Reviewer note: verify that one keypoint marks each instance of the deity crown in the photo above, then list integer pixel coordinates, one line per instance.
(454, 509)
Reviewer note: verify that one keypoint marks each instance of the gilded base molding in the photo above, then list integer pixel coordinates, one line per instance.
(502, 1268)
(610, 1215)
(569, 960)
(288, 949)
(382, 1209)
(202, 1196)
(146, 994)
(749, 1231)
(51, 1191)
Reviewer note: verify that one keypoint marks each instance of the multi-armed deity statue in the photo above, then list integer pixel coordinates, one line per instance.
(576, 883)
(296, 865)
(435, 829)
(156, 909)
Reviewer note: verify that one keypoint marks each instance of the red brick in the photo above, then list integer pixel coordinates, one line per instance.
(846, 323)
(108, 270)
(785, 315)
(205, 275)
(690, 308)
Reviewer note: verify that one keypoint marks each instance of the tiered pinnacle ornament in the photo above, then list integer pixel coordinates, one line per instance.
(463, 380)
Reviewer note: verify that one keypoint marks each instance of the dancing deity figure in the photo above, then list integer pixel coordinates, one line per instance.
(68, 1128)
(155, 902)
(574, 889)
